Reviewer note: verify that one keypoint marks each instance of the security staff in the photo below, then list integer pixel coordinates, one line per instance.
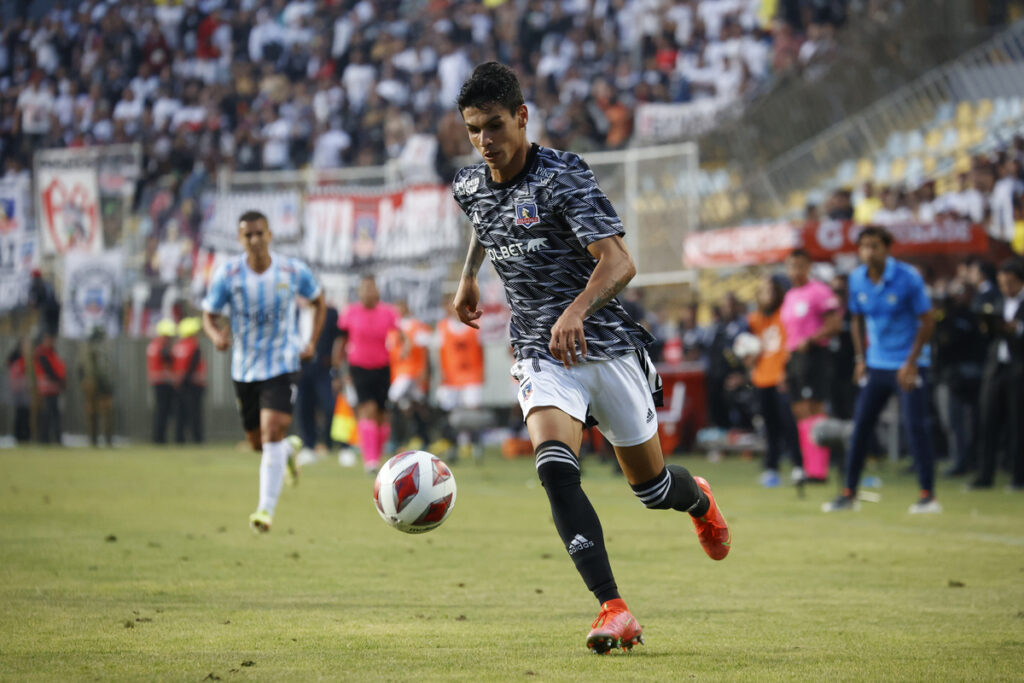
(160, 372)
(189, 379)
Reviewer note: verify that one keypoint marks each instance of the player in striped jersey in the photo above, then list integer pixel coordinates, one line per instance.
(556, 242)
(258, 292)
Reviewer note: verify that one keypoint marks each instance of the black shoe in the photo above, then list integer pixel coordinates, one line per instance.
(978, 485)
(841, 504)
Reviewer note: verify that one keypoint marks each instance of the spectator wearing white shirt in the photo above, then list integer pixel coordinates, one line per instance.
(35, 107)
(453, 68)
(128, 110)
(892, 212)
(276, 134)
(1005, 191)
(358, 79)
(330, 145)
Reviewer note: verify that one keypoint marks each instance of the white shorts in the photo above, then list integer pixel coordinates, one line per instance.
(616, 392)
(404, 387)
(470, 396)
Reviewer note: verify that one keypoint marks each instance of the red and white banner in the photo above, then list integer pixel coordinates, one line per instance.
(950, 236)
(749, 245)
(350, 229)
(69, 210)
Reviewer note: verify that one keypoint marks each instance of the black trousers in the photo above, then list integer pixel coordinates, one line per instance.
(1002, 415)
(49, 420)
(166, 397)
(780, 427)
(22, 423)
(190, 413)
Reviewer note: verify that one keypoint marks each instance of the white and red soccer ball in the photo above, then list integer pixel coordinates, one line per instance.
(414, 492)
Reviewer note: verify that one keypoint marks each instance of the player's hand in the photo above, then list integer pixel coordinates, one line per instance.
(860, 372)
(804, 346)
(568, 343)
(307, 352)
(907, 376)
(222, 342)
(466, 300)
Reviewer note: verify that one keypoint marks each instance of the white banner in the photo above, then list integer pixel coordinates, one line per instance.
(221, 213)
(92, 293)
(84, 195)
(69, 210)
(344, 230)
(18, 250)
(664, 122)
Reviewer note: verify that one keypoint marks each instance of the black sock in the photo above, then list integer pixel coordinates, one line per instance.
(674, 488)
(575, 518)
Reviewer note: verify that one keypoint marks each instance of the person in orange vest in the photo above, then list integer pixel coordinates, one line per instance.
(189, 368)
(462, 377)
(160, 372)
(50, 381)
(410, 378)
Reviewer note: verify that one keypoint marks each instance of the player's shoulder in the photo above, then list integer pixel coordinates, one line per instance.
(562, 167)
(858, 275)
(231, 267)
(290, 264)
(907, 271)
(468, 181)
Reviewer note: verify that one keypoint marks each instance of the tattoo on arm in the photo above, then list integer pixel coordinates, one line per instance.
(606, 295)
(474, 258)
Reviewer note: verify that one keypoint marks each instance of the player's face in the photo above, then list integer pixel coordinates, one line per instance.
(498, 134)
(1009, 284)
(872, 251)
(368, 294)
(255, 237)
(798, 269)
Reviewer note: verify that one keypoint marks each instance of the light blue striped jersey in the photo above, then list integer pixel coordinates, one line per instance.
(262, 310)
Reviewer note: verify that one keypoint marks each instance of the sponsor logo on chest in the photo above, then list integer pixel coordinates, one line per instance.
(517, 250)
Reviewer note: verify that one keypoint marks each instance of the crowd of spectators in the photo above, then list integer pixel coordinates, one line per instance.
(282, 84)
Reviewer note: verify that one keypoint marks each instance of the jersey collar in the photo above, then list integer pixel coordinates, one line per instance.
(531, 160)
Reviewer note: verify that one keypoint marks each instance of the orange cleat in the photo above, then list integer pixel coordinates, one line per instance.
(614, 627)
(712, 530)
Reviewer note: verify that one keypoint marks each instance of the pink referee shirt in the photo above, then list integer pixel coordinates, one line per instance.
(368, 333)
(804, 310)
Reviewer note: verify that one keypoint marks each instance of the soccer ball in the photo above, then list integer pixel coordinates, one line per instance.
(414, 492)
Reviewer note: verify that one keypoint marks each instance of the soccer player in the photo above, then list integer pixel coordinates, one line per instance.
(259, 290)
(889, 296)
(556, 242)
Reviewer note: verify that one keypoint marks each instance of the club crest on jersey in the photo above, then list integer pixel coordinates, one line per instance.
(526, 214)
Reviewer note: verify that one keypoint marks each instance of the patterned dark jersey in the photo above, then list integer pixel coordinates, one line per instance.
(535, 229)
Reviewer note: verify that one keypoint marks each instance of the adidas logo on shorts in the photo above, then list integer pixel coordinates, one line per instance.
(579, 543)
(650, 415)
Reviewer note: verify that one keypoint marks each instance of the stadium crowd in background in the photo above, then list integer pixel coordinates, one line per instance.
(331, 83)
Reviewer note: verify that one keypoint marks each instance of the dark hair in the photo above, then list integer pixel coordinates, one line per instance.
(491, 83)
(1014, 266)
(876, 231)
(800, 252)
(778, 293)
(252, 216)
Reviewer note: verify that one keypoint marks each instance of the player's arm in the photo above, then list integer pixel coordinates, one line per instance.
(220, 337)
(907, 375)
(612, 273)
(319, 315)
(467, 298)
(857, 336)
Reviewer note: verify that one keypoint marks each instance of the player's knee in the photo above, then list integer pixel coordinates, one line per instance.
(557, 466)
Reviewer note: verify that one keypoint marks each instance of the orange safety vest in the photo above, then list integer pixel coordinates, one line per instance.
(157, 370)
(46, 385)
(182, 352)
(462, 356)
(414, 363)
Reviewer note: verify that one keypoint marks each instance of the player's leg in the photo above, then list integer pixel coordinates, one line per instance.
(555, 406)
(276, 398)
(914, 411)
(870, 402)
(381, 385)
(366, 417)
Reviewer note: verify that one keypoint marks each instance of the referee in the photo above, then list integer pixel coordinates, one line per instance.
(889, 297)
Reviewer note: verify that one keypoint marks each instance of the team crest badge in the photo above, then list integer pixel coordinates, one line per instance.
(527, 391)
(526, 214)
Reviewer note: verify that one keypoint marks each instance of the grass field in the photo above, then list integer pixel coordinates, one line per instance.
(138, 564)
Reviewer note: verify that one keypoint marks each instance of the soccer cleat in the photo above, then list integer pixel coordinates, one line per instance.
(925, 505)
(292, 472)
(770, 479)
(712, 530)
(614, 627)
(260, 521)
(842, 503)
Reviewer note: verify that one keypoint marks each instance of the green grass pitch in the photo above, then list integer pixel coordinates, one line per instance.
(137, 564)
